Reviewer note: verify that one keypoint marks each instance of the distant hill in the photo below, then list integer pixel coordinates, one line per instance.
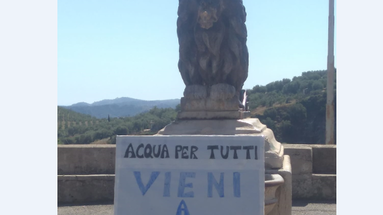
(294, 109)
(77, 128)
(64, 114)
(120, 107)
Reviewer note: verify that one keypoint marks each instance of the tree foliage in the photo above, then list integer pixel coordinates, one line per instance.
(89, 129)
(295, 109)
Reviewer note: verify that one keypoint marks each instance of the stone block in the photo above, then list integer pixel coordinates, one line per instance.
(86, 159)
(209, 104)
(302, 186)
(324, 187)
(301, 159)
(324, 159)
(77, 189)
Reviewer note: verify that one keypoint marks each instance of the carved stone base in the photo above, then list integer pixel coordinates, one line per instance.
(208, 104)
(249, 126)
(213, 114)
(272, 183)
(284, 192)
(219, 101)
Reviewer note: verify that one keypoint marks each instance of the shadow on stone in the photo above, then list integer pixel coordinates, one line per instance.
(304, 203)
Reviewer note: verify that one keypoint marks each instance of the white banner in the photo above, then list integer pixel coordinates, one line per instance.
(189, 175)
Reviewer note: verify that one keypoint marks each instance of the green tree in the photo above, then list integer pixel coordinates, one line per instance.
(120, 131)
(317, 85)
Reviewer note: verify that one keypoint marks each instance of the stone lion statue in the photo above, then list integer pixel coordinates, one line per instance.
(212, 43)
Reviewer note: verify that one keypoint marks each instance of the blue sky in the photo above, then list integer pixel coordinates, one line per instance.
(110, 49)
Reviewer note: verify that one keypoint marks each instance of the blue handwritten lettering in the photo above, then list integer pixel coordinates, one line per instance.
(167, 184)
(182, 185)
(237, 184)
(218, 186)
(182, 208)
(143, 189)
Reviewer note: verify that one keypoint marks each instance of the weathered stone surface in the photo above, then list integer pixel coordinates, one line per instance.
(284, 192)
(307, 184)
(303, 184)
(85, 209)
(324, 159)
(195, 92)
(272, 183)
(193, 115)
(85, 188)
(217, 101)
(213, 127)
(212, 43)
(86, 159)
(324, 186)
(249, 126)
(209, 105)
(222, 92)
(301, 159)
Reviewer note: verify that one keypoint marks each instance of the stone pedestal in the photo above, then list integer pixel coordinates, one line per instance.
(219, 101)
(275, 161)
(248, 126)
(284, 192)
(235, 114)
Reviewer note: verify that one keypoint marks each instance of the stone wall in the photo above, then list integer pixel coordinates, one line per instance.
(86, 172)
(86, 159)
(313, 170)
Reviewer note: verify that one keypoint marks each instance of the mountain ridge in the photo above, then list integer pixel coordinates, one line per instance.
(294, 109)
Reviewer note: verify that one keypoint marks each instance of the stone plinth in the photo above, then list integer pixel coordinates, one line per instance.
(275, 161)
(249, 126)
(218, 101)
(208, 104)
(235, 114)
(272, 183)
(284, 192)
(208, 108)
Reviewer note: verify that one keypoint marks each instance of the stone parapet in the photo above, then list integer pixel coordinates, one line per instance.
(324, 186)
(78, 189)
(84, 167)
(314, 171)
(301, 159)
(324, 159)
(86, 159)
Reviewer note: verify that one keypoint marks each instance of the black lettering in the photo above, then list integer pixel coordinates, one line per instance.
(227, 152)
(156, 155)
(178, 149)
(128, 151)
(140, 146)
(235, 148)
(255, 153)
(165, 152)
(212, 150)
(148, 151)
(193, 150)
(185, 152)
(248, 151)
